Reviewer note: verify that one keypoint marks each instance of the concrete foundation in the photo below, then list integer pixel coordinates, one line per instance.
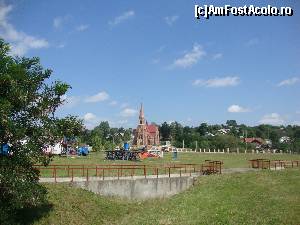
(138, 188)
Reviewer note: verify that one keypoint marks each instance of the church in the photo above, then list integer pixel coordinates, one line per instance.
(145, 134)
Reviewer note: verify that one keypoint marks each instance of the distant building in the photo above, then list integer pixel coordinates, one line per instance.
(257, 141)
(223, 131)
(284, 139)
(145, 134)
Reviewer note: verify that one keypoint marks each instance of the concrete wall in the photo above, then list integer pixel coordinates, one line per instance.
(138, 188)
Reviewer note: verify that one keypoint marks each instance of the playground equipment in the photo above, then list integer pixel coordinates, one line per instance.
(84, 151)
(126, 146)
(5, 149)
(154, 152)
(122, 155)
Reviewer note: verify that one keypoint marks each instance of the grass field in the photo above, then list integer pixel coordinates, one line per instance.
(263, 197)
(230, 160)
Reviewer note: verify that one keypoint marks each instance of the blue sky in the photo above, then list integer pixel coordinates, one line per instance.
(117, 54)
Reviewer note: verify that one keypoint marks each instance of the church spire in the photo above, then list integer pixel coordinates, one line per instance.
(142, 116)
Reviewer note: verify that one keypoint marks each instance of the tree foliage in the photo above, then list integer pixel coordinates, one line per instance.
(28, 101)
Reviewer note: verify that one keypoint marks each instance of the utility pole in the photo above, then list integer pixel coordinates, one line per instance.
(196, 145)
(246, 141)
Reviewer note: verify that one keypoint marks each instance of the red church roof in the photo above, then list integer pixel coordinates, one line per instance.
(151, 128)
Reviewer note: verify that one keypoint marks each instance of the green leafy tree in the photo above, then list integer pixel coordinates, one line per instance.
(165, 131)
(231, 123)
(202, 129)
(28, 101)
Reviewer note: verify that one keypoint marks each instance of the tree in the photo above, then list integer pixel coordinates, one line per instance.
(28, 102)
(231, 123)
(165, 131)
(202, 129)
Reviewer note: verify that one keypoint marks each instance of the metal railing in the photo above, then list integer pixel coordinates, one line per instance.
(116, 170)
(276, 164)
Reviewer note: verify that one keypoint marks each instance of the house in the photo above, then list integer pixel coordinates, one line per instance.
(223, 131)
(284, 139)
(256, 141)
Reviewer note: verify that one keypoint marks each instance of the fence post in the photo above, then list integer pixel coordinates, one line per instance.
(145, 171)
(157, 172)
(169, 172)
(55, 174)
(87, 174)
(72, 174)
(53, 171)
(102, 173)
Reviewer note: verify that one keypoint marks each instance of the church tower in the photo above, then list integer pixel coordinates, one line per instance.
(145, 134)
(141, 116)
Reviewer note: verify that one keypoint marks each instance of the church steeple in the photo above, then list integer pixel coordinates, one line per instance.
(142, 116)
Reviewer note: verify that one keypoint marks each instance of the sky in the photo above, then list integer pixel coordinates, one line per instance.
(119, 54)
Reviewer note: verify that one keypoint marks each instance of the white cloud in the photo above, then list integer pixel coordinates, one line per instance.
(61, 45)
(190, 58)
(290, 81)
(82, 27)
(128, 112)
(237, 109)
(297, 123)
(70, 101)
(20, 41)
(122, 122)
(113, 103)
(100, 97)
(119, 19)
(217, 56)
(60, 21)
(90, 120)
(170, 121)
(124, 105)
(273, 119)
(251, 42)
(170, 20)
(88, 117)
(57, 22)
(218, 82)
(155, 61)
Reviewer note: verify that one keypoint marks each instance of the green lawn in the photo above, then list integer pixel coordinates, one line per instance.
(230, 160)
(263, 197)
